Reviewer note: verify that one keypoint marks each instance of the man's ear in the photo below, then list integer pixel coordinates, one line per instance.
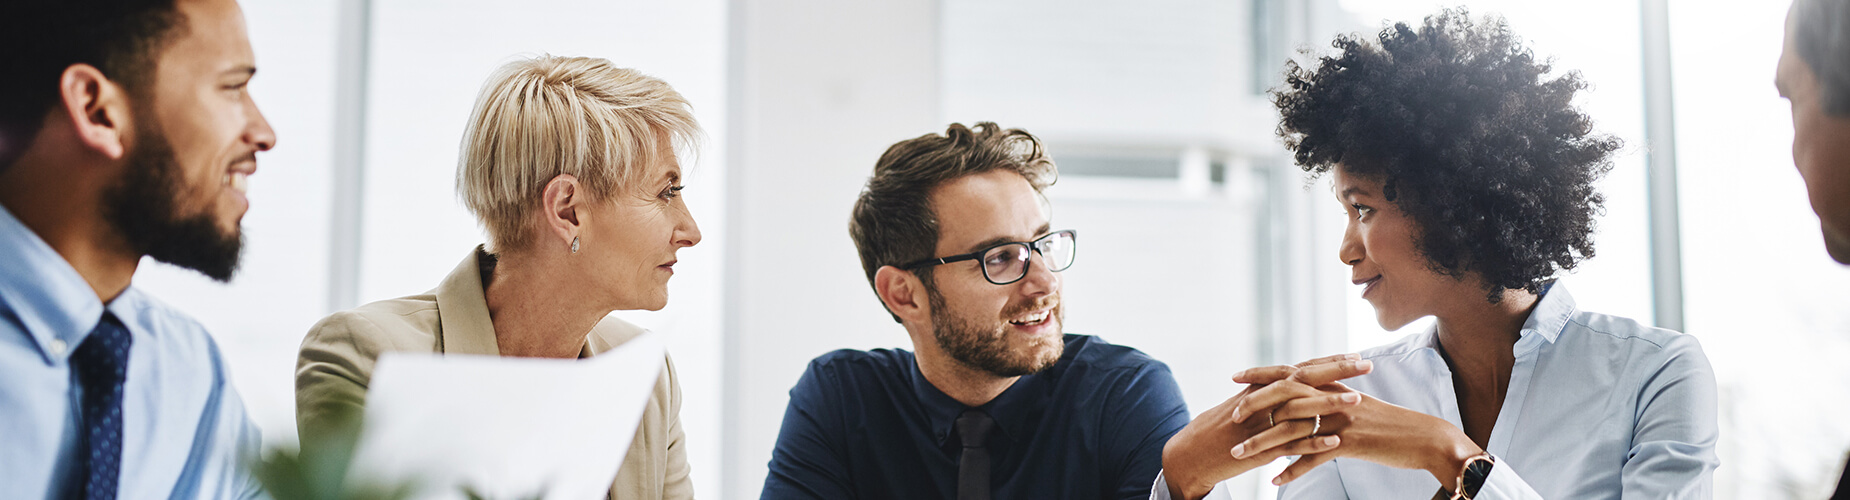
(903, 293)
(560, 209)
(97, 108)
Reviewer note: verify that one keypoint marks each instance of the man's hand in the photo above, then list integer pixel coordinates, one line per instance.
(1202, 454)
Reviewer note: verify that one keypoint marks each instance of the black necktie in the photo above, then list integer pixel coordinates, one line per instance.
(101, 363)
(973, 468)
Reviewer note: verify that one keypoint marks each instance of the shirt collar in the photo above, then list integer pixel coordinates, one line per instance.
(1023, 402)
(1549, 318)
(462, 309)
(940, 409)
(1551, 314)
(51, 301)
(135, 310)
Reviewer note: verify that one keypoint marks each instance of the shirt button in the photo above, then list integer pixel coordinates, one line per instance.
(57, 347)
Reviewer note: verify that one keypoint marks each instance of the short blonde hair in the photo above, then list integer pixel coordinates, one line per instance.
(541, 117)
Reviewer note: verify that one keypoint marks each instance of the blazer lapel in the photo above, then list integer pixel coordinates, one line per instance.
(462, 307)
(609, 333)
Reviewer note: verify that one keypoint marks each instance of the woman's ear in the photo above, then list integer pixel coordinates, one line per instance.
(560, 206)
(903, 294)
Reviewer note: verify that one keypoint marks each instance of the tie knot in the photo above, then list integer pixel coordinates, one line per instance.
(103, 356)
(973, 427)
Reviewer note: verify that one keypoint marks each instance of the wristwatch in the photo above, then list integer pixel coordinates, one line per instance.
(1471, 479)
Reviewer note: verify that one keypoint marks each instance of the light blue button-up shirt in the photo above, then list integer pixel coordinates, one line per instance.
(1598, 406)
(185, 433)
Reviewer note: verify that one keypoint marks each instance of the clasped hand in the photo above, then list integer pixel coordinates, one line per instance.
(1305, 410)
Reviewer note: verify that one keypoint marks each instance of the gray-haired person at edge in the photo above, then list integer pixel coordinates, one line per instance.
(996, 400)
(569, 163)
(126, 130)
(1814, 74)
(1468, 177)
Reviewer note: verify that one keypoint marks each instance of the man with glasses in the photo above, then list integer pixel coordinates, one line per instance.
(997, 402)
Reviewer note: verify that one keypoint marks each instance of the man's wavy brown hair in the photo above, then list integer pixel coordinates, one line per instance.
(893, 221)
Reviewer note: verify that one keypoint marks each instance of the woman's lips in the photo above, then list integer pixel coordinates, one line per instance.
(1368, 285)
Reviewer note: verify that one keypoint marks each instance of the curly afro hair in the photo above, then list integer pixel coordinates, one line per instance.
(1471, 138)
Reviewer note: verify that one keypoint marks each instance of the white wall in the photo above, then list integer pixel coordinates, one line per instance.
(428, 60)
(1124, 72)
(800, 97)
(818, 90)
(1768, 304)
(1599, 39)
(259, 318)
(1096, 75)
(1759, 290)
(1176, 267)
(1166, 272)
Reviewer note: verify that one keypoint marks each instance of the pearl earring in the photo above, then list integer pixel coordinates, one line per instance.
(574, 244)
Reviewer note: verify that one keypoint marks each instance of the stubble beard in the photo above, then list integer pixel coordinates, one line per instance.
(986, 348)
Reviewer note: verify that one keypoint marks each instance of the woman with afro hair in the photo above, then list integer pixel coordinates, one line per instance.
(1468, 177)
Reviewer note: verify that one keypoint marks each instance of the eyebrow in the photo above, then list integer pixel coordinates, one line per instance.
(1351, 190)
(242, 69)
(1045, 227)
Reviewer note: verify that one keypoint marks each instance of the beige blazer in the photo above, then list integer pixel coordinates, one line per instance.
(337, 362)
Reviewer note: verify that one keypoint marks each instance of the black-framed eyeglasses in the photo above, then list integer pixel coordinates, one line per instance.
(1008, 262)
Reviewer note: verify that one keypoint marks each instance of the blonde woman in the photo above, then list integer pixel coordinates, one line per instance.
(569, 164)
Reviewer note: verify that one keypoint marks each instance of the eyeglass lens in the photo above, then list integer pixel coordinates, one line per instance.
(1008, 263)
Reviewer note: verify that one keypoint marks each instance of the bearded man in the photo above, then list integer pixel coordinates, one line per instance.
(998, 401)
(126, 130)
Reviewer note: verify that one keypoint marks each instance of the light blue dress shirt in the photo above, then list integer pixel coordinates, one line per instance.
(1598, 406)
(185, 432)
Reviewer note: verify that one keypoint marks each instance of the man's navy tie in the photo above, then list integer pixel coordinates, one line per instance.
(973, 467)
(101, 364)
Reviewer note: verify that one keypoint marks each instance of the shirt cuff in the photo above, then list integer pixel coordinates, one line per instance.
(1160, 490)
(1504, 484)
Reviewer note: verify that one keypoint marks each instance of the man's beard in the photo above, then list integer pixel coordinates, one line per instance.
(986, 349)
(143, 208)
(1836, 243)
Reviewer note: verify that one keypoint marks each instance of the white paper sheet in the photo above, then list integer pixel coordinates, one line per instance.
(509, 428)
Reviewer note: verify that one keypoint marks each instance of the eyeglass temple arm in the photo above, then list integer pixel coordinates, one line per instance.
(939, 262)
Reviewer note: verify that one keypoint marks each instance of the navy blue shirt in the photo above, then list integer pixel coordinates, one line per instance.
(868, 425)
